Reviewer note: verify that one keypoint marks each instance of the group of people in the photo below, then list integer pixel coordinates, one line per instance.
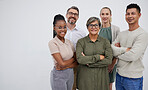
(93, 61)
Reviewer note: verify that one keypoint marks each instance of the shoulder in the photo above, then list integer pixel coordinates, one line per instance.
(142, 33)
(142, 30)
(115, 28)
(52, 41)
(82, 40)
(103, 39)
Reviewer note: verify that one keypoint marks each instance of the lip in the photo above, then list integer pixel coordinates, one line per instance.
(130, 20)
(105, 18)
(93, 30)
(72, 18)
(62, 32)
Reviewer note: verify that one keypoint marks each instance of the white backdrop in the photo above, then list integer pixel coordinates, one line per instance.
(26, 28)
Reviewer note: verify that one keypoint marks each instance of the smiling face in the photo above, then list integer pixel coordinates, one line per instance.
(72, 16)
(132, 16)
(105, 15)
(93, 28)
(60, 28)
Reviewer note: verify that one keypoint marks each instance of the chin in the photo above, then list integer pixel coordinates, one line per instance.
(93, 33)
(62, 36)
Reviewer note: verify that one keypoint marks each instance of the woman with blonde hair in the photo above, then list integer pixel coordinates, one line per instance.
(109, 32)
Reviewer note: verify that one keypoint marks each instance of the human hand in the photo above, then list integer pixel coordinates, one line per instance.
(101, 57)
(57, 66)
(128, 49)
(83, 54)
(111, 67)
(117, 45)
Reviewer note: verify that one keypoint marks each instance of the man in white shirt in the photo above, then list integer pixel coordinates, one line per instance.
(73, 32)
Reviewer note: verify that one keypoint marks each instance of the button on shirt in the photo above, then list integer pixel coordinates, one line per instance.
(74, 35)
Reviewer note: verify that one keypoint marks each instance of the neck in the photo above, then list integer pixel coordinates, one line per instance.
(93, 37)
(61, 38)
(105, 25)
(71, 26)
(133, 27)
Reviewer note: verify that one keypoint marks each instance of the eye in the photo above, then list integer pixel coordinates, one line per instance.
(133, 13)
(60, 27)
(64, 27)
(102, 13)
(96, 24)
(127, 13)
(90, 24)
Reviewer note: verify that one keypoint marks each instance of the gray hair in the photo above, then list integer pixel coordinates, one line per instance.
(92, 19)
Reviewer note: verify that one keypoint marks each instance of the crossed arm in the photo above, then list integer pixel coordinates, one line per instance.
(133, 53)
(64, 64)
(94, 60)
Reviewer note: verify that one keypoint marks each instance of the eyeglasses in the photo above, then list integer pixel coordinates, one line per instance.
(71, 13)
(61, 27)
(93, 25)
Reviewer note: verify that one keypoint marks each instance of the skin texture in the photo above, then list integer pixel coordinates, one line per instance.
(132, 17)
(105, 17)
(71, 18)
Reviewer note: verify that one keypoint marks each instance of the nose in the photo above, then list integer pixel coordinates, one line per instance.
(72, 15)
(130, 15)
(93, 27)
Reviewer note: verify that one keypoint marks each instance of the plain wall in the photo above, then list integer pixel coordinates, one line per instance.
(26, 28)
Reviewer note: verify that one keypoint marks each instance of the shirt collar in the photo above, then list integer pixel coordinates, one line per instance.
(60, 42)
(89, 40)
(75, 28)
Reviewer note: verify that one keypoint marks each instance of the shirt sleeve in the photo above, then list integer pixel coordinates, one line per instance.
(108, 57)
(53, 47)
(137, 50)
(117, 50)
(85, 59)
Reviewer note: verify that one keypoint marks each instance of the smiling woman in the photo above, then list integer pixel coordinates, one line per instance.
(62, 50)
(94, 54)
(110, 32)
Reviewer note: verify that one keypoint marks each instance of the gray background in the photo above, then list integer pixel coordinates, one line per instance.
(26, 27)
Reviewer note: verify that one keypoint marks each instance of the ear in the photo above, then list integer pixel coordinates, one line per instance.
(139, 14)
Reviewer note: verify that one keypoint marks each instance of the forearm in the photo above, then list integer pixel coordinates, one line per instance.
(66, 63)
(103, 63)
(88, 59)
(114, 61)
(118, 50)
(75, 64)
